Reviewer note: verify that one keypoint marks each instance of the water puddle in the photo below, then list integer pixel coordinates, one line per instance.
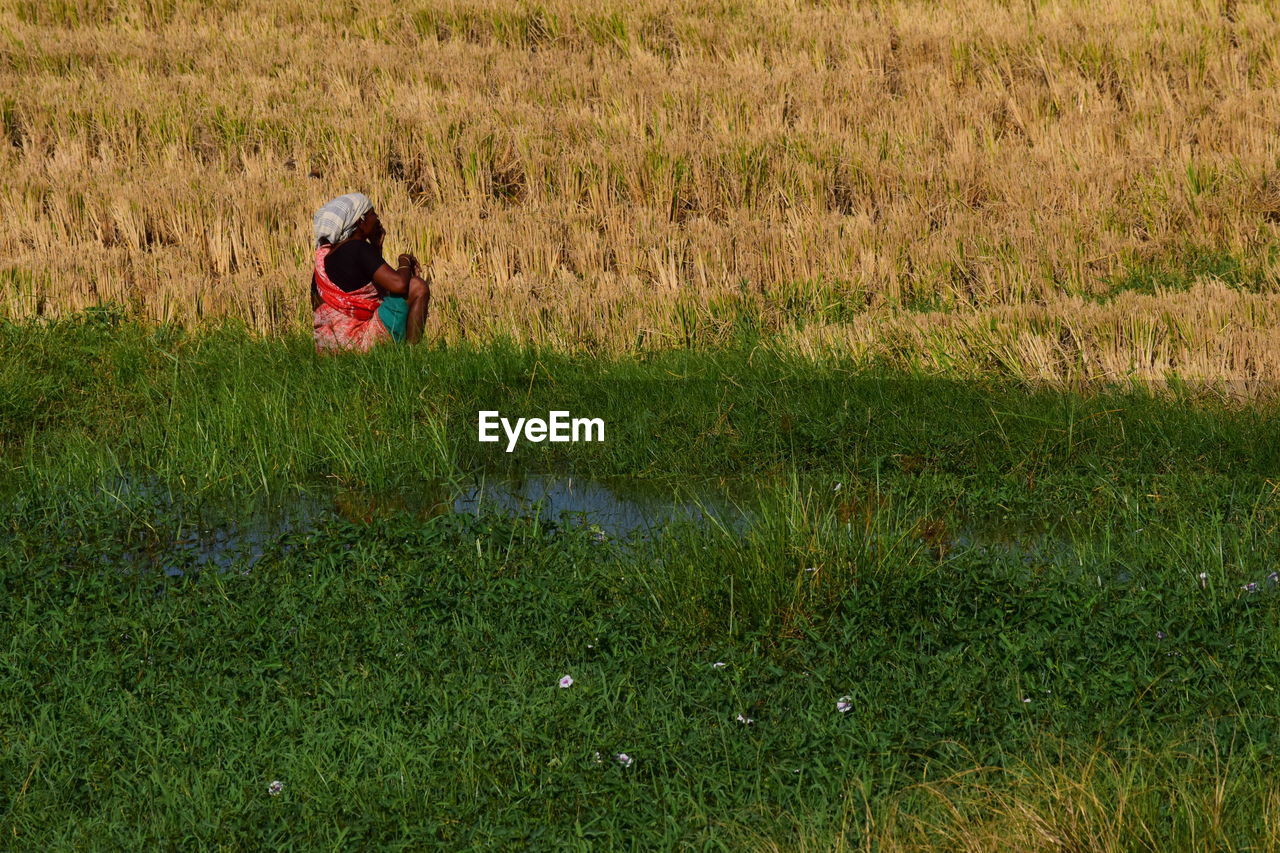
(610, 509)
(614, 511)
(619, 511)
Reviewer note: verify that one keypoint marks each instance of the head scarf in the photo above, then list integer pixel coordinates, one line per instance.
(335, 221)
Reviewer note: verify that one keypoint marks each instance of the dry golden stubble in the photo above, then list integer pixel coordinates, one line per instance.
(963, 183)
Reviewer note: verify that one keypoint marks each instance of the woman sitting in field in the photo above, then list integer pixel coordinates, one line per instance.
(359, 300)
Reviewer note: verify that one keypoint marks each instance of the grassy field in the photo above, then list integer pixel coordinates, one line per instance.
(1052, 615)
(224, 414)
(401, 681)
(1056, 190)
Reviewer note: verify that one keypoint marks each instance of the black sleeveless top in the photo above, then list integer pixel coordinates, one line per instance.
(350, 266)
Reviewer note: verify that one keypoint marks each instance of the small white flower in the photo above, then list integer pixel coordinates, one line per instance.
(837, 488)
(275, 788)
(746, 721)
(567, 681)
(599, 758)
(845, 704)
(719, 665)
(810, 570)
(623, 759)
(1204, 576)
(1026, 699)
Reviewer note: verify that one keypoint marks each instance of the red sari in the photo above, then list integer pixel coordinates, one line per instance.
(345, 320)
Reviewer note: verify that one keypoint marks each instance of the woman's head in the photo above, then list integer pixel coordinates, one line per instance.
(368, 227)
(339, 218)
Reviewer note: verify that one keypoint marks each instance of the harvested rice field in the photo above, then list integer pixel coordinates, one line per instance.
(1064, 191)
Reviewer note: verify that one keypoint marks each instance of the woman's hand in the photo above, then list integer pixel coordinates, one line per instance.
(407, 260)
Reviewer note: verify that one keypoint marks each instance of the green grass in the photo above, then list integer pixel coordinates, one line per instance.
(221, 413)
(1177, 274)
(400, 679)
(399, 676)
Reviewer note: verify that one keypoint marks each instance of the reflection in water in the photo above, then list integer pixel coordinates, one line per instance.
(233, 545)
(615, 511)
(612, 511)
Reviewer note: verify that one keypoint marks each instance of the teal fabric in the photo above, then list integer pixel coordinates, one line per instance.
(394, 314)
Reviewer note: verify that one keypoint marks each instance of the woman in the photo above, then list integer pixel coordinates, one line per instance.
(359, 300)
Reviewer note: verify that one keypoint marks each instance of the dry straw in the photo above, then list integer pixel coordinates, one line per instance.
(962, 184)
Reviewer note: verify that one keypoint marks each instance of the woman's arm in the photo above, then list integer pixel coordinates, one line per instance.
(394, 281)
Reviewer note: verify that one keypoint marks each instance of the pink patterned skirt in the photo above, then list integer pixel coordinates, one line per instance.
(337, 330)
